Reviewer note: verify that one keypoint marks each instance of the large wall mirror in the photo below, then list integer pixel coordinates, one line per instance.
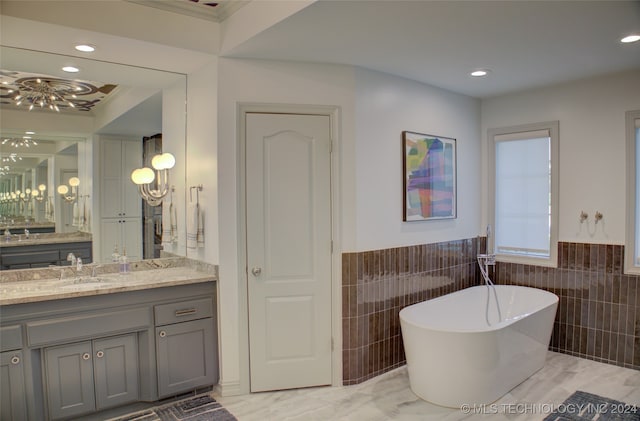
(119, 117)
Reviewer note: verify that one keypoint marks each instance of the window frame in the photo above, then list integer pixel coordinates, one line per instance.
(632, 191)
(553, 128)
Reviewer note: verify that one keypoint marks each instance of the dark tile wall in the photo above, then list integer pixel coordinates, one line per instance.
(377, 284)
(599, 310)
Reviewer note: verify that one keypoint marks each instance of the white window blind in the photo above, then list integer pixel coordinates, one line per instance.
(523, 193)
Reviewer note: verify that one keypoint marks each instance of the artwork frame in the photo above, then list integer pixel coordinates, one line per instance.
(429, 177)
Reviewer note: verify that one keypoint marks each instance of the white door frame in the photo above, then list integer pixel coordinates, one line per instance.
(333, 112)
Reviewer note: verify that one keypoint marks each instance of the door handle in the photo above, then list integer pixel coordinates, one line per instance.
(256, 271)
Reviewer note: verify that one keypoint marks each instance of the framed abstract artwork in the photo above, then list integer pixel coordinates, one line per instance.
(429, 165)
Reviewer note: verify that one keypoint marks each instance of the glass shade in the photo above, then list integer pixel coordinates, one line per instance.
(63, 189)
(142, 176)
(163, 161)
(74, 181)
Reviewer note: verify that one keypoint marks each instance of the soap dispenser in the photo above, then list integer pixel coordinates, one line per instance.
(124, 262)
(115, 256)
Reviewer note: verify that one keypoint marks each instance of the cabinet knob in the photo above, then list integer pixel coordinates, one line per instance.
(15, 360)
(100, 354)
(163, 333)
(86, 356)
(256, 271)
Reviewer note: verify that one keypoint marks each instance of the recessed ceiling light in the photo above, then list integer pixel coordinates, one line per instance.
(630, 38)
(29, 132)
(479, 73)
(85, 48)
(70, 69)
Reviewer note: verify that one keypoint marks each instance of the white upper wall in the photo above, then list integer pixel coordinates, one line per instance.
(386, 106)
(202, 155)
(592, 147)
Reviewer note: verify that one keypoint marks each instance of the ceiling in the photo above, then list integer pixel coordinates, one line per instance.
(525, 44)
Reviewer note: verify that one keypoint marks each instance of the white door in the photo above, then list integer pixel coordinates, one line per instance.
(288, 250)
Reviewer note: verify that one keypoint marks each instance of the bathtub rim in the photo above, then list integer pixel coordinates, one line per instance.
(500, 325)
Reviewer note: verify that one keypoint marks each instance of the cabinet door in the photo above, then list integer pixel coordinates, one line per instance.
(110, 235)
(132, 238)
(131, 159)
(12, 394)
(116, 370)
(69, 380)
(186, 355)
(111, 180)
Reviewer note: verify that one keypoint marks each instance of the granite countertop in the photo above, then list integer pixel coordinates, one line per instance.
(18, 240)
(71, 286)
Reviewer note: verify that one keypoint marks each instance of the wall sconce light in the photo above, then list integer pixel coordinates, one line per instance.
(39, 194)
(153, 187)
(74, 182)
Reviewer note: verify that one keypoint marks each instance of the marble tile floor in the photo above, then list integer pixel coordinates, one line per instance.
(388, 397)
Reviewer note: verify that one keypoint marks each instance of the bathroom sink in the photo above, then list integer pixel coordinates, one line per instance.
(84, 282)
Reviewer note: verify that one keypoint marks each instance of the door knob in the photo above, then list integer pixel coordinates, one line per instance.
(256, 271)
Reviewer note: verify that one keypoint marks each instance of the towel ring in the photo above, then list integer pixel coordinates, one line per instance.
(198, 190)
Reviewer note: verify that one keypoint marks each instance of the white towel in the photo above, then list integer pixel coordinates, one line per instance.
(173, 220)
(52, 216)
(192, 225)
(167, 236)
(200, 234)
(76, 218)
(85, 214)
(80, 221)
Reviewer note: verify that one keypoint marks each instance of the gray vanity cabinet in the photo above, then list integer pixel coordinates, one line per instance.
(12, 376)
(12, 392)
(186, 346)
(67, 358)
(91, 375)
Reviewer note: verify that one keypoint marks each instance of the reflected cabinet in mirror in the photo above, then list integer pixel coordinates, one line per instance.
(69, 144)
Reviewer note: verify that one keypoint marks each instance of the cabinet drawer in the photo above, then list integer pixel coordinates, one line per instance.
(83, 326)
(29, 257)
(10, 338)
(183, 311)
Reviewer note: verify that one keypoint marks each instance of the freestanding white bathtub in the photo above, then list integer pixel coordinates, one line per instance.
(459, 353)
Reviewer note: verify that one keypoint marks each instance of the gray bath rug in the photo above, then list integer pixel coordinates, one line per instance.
(198, 408)
(583, 406)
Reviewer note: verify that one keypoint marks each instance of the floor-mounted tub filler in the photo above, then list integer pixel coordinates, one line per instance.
(462, 348)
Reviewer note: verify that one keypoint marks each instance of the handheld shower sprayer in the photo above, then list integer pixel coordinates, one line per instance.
(488, 238)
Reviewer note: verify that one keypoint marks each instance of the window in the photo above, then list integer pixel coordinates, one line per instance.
(632, 242)
(523, 192)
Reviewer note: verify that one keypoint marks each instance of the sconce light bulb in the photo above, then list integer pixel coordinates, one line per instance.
(142, 175)
(74, 181)
(42, 187)
(28, 191)
(163, 161)
(35, 193)
(63, 189)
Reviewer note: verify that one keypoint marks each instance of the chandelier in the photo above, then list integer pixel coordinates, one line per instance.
(4, 169)
(13, 157)
(25, 141)
(45, 93)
